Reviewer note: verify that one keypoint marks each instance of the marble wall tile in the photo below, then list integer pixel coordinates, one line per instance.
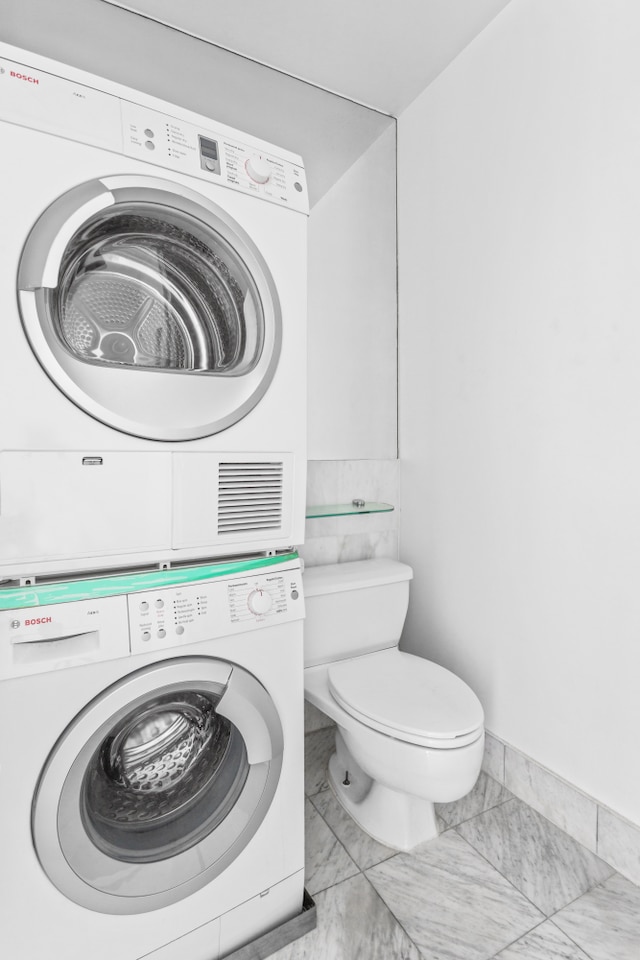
(451, 902)
(619, 844)
(546, 942)
(493, 760)
(559, 801)
(362, 848)
(353, 922)
(605, 922)
(340, 539)
(343, 548)
(351, 525)
(315, 719)
(318, 747)
(539, 859)
(326, 860)
(339, 481)
(487, 793)
(366, 546)
(316, 551)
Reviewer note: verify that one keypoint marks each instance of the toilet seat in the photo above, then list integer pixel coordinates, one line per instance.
(407, 697)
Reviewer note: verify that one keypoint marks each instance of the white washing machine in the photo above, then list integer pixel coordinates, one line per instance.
(151, 762)
(153, 301)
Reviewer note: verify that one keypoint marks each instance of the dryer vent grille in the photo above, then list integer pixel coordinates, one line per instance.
(249, 497)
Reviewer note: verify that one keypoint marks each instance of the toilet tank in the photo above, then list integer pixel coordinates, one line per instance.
(353, 608)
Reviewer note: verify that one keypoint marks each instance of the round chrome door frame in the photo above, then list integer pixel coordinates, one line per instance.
(88, 876)
(155, 404)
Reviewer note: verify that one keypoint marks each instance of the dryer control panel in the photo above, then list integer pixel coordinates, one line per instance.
(190, 614)
(214, 156)
(162, 134)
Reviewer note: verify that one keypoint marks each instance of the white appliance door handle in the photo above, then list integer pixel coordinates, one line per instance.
(90, 634)
(40, 266)
(249, 707)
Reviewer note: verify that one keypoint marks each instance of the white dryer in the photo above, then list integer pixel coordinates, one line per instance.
(152, 800)
(153, 296)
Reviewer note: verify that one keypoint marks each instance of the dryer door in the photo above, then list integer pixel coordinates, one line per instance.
(150, 308)
(158, 785)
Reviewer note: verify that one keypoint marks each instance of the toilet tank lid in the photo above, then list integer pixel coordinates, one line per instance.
(355, 575)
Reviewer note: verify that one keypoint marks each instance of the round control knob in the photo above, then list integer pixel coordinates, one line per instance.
(258, 169)
(259, 602)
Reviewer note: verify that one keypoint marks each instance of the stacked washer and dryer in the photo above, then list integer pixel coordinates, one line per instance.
(152, 483)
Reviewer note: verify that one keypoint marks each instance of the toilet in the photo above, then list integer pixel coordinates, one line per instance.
(409, 733)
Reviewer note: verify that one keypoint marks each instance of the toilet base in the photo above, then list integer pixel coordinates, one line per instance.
(394, 819)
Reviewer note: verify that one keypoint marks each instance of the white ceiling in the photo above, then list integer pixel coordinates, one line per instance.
(380, 54)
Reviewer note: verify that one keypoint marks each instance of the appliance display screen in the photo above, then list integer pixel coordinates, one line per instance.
(208, 148)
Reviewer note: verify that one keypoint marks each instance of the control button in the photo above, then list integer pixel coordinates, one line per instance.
(149, 133)
(146, 635)
(294, 594)
(210, 165)
(259, 602)
(159, 604)
(258, 169)
(162, 634)
(144, 606)
(297, 186)
(180, 630)
(149, 144)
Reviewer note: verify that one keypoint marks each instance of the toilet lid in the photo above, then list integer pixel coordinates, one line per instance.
(407, 697)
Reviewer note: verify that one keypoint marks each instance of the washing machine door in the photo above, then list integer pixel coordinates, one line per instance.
(150, 308)
(158, 785)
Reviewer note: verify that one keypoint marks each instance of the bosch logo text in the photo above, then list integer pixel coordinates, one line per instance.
(23, 76)
(37, 620)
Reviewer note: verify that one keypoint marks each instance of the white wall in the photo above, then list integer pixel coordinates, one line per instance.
(519, 247)
(353, 312)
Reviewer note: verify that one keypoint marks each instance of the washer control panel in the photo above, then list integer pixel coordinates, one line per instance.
(192, 613)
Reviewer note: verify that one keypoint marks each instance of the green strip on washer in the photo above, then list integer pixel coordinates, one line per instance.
(14, 598)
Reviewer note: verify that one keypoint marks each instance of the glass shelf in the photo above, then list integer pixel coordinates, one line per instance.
(347, 509)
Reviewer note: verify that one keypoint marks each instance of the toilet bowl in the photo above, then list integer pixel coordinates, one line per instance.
(409, 732)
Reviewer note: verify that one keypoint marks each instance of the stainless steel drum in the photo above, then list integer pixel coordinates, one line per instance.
(138, 289)
(163, 777)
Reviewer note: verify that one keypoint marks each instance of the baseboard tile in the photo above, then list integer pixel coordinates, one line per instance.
(602, 831)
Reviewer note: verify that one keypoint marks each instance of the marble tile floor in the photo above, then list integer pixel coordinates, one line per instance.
(500, 881)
